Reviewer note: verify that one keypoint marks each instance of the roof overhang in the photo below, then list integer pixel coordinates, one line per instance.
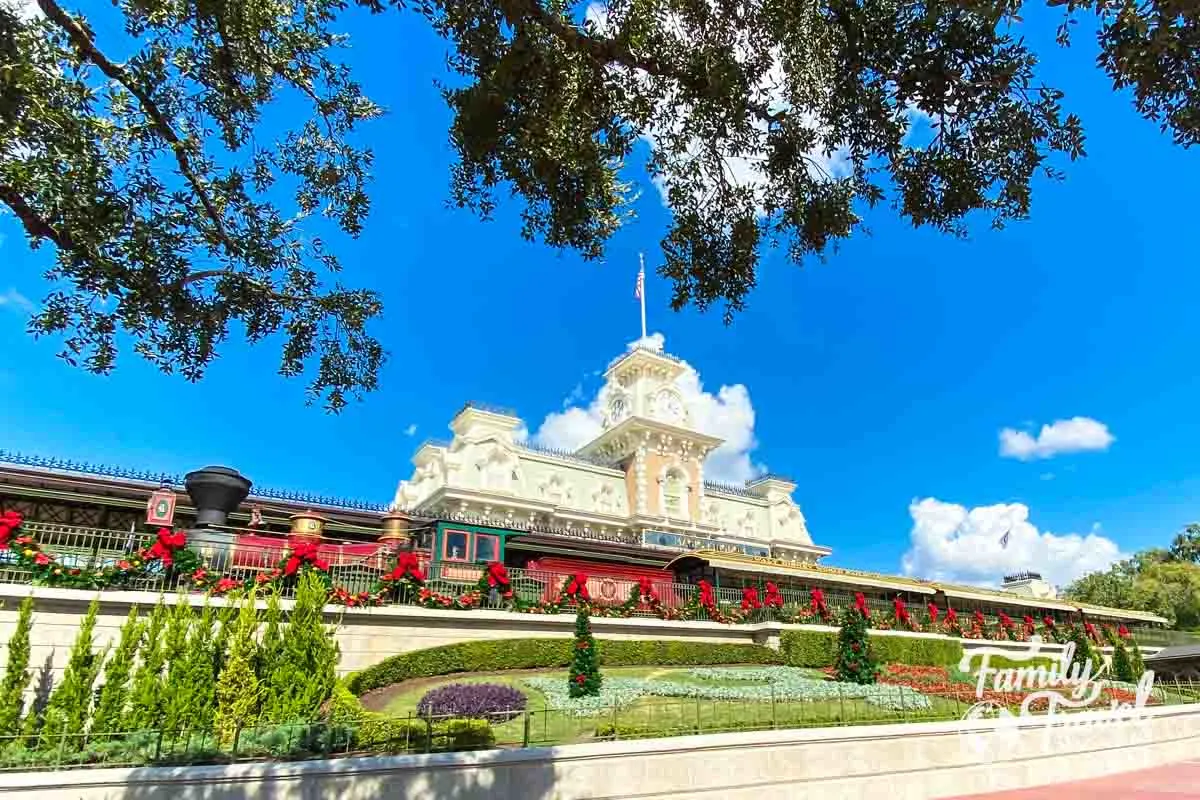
(851, 578)
(774, 566)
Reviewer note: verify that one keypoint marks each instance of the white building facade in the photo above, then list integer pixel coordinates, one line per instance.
(642, 478)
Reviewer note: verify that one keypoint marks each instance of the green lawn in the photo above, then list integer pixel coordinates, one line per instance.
(665, 715)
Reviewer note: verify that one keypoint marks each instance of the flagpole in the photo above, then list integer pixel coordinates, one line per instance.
(642, 293)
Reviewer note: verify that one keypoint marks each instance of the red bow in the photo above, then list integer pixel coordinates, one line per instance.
(979, 618)
(165, 546)
(1048, 621)
(646, 590)
(577, 588)
(9, 522)
(860, 603)
(818, 602)
(706, 593)
(774, 598)
(933, 613)
(497, 575)
(901, 610)
(1090, 630)
(750, 598)
(951, 616)
(1005, 621)
(304, 553)
(1123, 632)
(1028, 624)
(407, 566)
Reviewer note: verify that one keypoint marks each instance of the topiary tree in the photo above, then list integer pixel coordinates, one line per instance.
(305, 667)
(71, 701)
(584, 679)
(110, 707)
(1084, 651)
(854, 662)
(238, 690)
(146, 699)
(16, 672)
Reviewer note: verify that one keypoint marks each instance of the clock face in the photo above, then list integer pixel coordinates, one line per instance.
(618, 408)
(673, 407)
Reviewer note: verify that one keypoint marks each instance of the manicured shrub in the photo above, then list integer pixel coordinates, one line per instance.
(819, 649)
(490, 701)
(505, 654)
(16, 672)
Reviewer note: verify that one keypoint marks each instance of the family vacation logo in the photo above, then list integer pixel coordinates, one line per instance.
(1056, 697)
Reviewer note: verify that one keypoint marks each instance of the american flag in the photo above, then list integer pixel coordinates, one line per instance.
(641, 283)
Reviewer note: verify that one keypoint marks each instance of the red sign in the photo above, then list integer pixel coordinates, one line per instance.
(160, 510)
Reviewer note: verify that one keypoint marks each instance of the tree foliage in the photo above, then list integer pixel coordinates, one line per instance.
(146, 699)
(1162, 581)
(151, 165)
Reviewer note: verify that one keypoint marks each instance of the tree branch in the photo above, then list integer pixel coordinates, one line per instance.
(83, 41)
(607, 50)
(34, 224)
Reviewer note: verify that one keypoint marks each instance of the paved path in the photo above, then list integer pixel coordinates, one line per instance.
(1175, 782)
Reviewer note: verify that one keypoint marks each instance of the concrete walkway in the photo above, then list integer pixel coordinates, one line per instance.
(1174, 782)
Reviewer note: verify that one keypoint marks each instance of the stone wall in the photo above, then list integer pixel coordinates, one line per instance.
(921, 761)
(367, 636)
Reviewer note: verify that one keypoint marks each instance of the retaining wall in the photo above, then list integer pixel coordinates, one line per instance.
(368, 635)
(901, 762)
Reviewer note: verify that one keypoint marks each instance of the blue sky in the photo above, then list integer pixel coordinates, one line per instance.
(880, 378)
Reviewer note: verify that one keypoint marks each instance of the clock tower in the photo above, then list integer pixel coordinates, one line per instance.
(649, 434)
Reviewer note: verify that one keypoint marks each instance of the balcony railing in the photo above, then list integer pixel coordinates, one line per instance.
(356, 567)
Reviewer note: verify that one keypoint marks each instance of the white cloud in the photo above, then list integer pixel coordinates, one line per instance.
(12, 299)
(411, 430)
(1075, 435)
(951, 543)
(727, 414)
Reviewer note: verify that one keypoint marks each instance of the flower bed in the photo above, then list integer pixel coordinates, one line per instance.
(489, 701)
(941, 682)
(780, 684)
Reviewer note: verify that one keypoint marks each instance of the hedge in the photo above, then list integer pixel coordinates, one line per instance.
(383, 734)
(500, 654)
(819, 649)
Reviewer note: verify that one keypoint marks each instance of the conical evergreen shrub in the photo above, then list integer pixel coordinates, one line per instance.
(146, 698)
(238, 690)
(114, 693)
(305, 668)
(71, 701)
(16, 672)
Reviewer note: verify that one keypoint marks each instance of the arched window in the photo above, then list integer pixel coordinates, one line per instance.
(674, 487)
